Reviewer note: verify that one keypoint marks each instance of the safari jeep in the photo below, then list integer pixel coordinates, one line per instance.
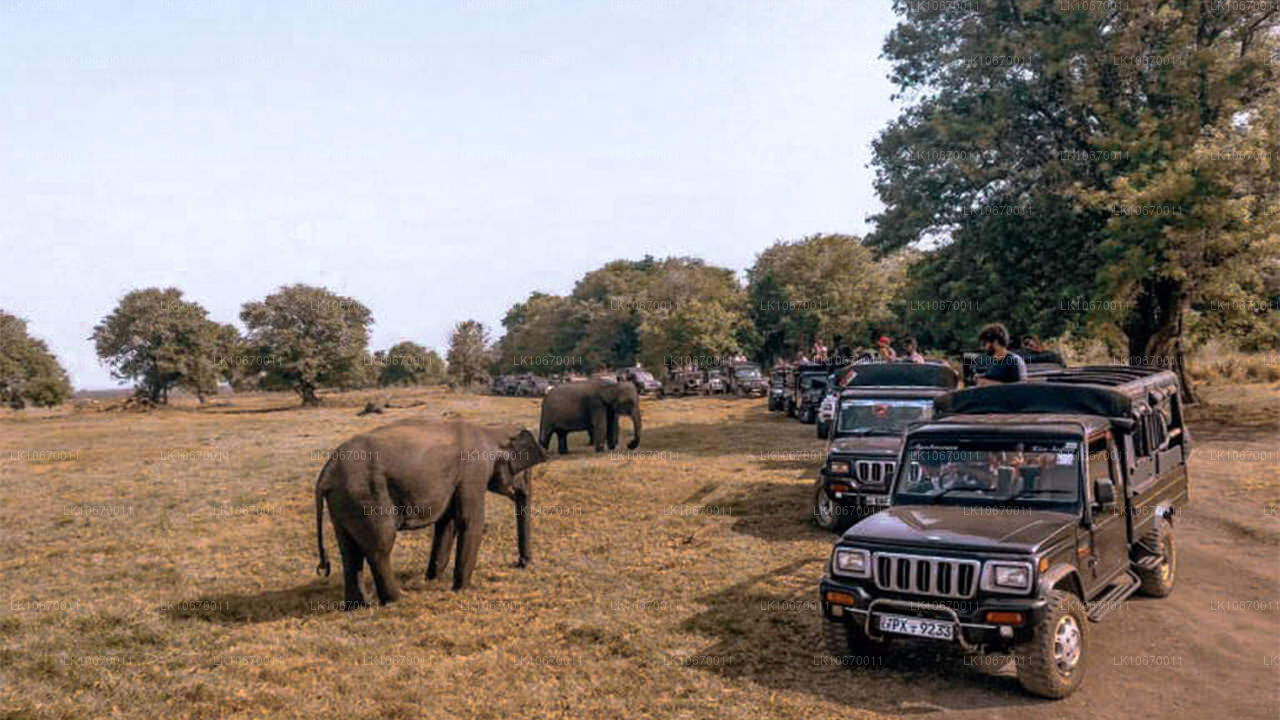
(745, 380)
(778, 390)
(869, 418)
(806, 385)
(1021, 514)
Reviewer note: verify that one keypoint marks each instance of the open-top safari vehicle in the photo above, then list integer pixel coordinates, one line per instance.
(1020, 515)
(806, 385)
(870, 416)
(745, 380)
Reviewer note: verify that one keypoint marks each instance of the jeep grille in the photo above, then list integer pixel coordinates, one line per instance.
(920, 575)
(873, 472)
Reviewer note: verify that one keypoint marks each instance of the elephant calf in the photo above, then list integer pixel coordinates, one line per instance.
(591, 405)
(415, 473)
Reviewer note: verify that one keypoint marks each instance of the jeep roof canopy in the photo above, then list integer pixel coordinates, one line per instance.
(1116, 392)
(903, 374)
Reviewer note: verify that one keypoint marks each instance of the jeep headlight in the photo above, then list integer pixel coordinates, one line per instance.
(851, 562)
(839, 467)
(1006, 577)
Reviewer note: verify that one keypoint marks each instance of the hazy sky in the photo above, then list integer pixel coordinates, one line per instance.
(436, 160)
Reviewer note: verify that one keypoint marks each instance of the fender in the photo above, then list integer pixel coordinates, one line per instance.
(1059, 573)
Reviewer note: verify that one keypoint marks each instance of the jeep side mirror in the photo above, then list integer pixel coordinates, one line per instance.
(1104, 492)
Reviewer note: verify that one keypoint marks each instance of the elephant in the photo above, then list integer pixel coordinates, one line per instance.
(415, 473)
(591, 405)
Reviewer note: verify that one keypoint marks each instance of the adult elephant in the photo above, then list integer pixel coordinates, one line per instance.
(415, 473)
(591, 405)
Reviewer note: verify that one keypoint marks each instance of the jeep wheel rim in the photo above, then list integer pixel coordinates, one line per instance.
(1066, 644)
(826, 509)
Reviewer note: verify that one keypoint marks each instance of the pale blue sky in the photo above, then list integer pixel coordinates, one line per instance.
(436, 160)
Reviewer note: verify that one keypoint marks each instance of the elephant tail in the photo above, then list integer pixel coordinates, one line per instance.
(323, 567)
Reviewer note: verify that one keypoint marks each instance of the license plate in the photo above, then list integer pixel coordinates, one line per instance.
(919, 627)
(878, 500)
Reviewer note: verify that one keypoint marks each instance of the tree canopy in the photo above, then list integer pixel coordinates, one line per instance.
(469, 352)
(159, 340)
(29, 373)
(303, 337)
(1118, 154)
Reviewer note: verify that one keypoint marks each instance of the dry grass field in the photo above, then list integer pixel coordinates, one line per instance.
(161, 565)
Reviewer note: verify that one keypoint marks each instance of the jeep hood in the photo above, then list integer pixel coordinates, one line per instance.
(952, 527)
(876, 445)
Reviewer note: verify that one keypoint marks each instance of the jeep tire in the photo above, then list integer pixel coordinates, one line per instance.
(844, 639)
(1159, 581)
(1052, 663)
(829, 514)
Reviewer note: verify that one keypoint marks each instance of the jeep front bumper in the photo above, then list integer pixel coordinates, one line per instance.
(844, 492)
(862, 603)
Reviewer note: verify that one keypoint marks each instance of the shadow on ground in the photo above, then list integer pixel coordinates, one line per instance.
(778, 610)
(770, 511)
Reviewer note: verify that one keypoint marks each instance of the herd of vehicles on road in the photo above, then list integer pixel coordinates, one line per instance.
(740, 379)
(1005, 518)
(1000, 519)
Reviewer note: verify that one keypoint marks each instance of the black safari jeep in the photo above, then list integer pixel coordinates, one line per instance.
(873, 410)
(806, 386)
(778, 390)
(1020, 514)
(745, 380)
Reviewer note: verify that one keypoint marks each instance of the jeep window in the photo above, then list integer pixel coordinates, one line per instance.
(747, 373)
(1042, 473)
(641, 375)
(880, 417)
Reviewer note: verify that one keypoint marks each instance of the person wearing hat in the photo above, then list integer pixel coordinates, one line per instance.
(884, 347)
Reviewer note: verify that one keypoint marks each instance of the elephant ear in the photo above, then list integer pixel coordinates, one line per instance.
(523, 451)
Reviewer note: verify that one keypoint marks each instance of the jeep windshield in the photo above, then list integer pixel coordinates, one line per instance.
(747, 373)
(880, 417)
(1029, 473)
(642, 376)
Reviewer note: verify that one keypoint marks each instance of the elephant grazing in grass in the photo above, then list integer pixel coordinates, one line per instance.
(415, 473)
(592, 405)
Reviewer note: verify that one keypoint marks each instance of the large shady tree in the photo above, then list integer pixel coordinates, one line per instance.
(29, 373)
(160, 341)
(303, 338)
(1123, 153)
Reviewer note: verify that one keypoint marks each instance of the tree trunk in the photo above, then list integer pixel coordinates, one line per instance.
(1154, 329)
(308, 393)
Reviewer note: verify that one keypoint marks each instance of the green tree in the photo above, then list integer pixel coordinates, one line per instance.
(29, 373)
(1102, 138)
(409, 363)
(820, 287)
(469, 352)
(304, 337)
(161, 341)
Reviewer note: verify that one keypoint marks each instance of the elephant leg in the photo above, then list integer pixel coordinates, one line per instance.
(470, 532)
(352, 561)
(612, 430)
(598, 423)
(441, 545)
(544, 436)
(383, 578)
(562, 441)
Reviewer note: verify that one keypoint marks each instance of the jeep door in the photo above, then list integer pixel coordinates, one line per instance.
(1108, 537)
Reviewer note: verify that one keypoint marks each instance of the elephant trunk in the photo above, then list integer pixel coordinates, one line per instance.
(635, 427)
(522, 524)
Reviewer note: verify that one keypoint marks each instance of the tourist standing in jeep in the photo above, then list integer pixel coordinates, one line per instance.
(871, 413)
(1001, 365)
(1020, 514)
